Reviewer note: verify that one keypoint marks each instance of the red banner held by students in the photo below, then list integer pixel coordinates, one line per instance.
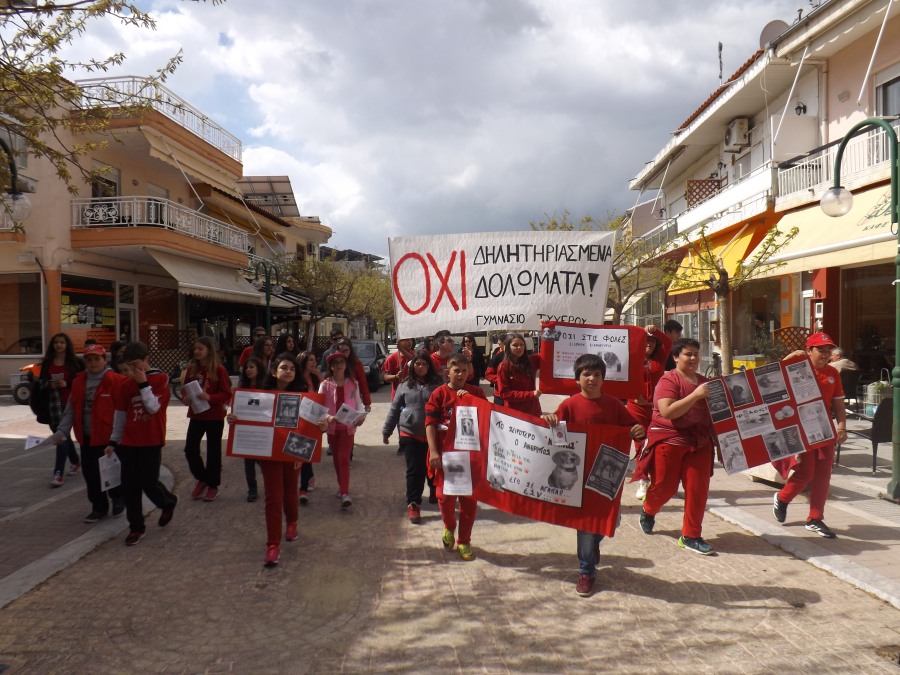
(621, 348)
(269, 426)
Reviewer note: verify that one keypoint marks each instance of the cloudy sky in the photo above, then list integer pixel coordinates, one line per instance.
(408, 117)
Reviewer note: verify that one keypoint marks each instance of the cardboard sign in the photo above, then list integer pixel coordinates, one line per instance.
(621, 348)
(269, 426)
(769, 413)
(496, 280)
(518, 469)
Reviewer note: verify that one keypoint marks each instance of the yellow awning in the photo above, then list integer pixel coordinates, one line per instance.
(862, 236)
(731, 248)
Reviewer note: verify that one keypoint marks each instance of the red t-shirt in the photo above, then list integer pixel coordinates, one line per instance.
(602, 410)
(68, 376)
(396, 364)
(829, 380)
(694, 428)
(518, 391)
(440, 404)
(141, 427)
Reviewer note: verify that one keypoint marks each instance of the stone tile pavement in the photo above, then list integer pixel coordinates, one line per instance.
(365, 591)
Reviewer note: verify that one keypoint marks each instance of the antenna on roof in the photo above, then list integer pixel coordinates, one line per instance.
(720, 64)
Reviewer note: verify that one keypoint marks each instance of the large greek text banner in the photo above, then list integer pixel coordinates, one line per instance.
(495, 280)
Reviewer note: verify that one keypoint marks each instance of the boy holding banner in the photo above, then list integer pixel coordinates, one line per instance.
(592, 406)
(438, 412)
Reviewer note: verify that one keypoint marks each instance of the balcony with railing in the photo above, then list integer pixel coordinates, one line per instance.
(142, 212)
(118, 91)
(805, 179)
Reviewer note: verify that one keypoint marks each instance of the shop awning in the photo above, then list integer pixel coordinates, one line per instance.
(206, 280)
(731, 248)
(863, 235)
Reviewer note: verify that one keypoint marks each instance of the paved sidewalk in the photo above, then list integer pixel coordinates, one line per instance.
(365, 591)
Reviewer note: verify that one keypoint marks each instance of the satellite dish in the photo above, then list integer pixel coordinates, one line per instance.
(772, 30)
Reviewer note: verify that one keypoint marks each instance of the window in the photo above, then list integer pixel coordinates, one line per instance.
(19, 149)
(887, 91)
(20, 306)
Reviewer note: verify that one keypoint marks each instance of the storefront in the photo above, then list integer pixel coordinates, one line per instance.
(20, 307)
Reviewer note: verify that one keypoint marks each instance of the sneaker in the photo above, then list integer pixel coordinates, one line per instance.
(74, 468)
(413, 513)
(118, 509)
(291, 533)
(199, 490)
(312, 484)
(57, 479)
(166, 516)
(346, 502)
(647, 522)
(447, 538)
(585, 585)
(93, 517)
(820, 528)
(779, 509)
(465, 552)
(252, 496)
(133, 538)
(696, 544)
(211, 494)
(304, 500)
(273, 554)
(642, 489)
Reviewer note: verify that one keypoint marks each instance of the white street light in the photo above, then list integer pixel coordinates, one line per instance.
(837, 202)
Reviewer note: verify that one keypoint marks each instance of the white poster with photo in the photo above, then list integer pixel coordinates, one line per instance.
(816, 421)
(253, 406)
(560, 434)
(299, 446)
(739, 389)
(803, 382)
(610, 344)
(312, 411)
(110, 472)
(191, 391)
(754, 421)
(467, 437)
(733, 457)
(608, 472)
(252, 440)
(783, 443)
(350, 416)
(457, 468)
(493, 280)
(771, 384)
(717, 400)
(287, 413)
(32, 442)
(523, 459)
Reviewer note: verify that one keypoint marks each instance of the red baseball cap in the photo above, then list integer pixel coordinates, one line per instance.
(819, 340)
(335, 355)
(99, 350)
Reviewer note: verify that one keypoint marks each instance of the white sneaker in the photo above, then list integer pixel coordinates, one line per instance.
(642, 489)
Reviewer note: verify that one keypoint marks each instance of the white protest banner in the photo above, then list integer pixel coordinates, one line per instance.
(490, 280)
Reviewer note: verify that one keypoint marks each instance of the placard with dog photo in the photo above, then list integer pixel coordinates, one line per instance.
(739, 389)
(523, 459)
(457, 473)
(608, 472)
(466, 437)
(268, 425)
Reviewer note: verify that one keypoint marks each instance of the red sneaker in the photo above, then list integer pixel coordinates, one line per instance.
(211, 494)
(199, 490)
(304, 500)
(74, 468)
(291, 533)
(273, 553)
(585, 585)
(413, 513)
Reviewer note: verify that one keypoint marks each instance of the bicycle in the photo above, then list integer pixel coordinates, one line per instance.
(715, 368)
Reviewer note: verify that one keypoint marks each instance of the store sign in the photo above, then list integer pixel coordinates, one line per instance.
(88, 310)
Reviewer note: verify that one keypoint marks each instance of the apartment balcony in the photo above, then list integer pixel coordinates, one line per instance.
(805, 179)
(134, 221)
(117, 91)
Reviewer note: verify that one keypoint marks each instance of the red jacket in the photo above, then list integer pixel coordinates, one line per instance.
(102, 410)
(219, 392)
(518, 392)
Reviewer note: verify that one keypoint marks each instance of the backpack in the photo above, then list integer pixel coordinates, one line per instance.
(39, 401)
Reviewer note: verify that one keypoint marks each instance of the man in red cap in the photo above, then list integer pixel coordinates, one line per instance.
(814, 466)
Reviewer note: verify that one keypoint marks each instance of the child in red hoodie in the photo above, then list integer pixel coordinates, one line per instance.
(139, 433)
(438, 411)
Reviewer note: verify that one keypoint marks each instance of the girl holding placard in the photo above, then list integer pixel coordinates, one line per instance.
(253, 376)
(516, 377)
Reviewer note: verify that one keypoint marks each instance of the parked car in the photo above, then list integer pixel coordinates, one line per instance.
(371, 354)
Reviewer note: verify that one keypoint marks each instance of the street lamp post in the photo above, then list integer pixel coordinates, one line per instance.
(16, 204)
(269, 271)
(837, 202)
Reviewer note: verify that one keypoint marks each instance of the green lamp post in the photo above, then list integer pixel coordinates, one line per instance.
(269, 271)
(837, 202)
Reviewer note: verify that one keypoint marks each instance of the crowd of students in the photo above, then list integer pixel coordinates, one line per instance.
(122, 410)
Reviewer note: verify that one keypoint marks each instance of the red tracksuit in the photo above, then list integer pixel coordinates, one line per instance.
(518, 391)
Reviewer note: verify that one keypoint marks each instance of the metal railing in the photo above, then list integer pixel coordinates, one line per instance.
(117, 91)
(156, 212)
(816, 169)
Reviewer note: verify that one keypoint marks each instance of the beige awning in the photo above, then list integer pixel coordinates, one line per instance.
(196, 167)
(862, 236)
(206, 280)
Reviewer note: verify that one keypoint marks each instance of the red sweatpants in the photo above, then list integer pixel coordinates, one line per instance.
(468, 508)
(280, 485)
(813, 467)
(691, 467)
(341, 446)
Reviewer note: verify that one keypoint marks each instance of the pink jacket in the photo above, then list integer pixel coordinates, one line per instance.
(351, 398)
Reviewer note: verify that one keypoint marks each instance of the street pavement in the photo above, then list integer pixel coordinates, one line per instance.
(365, 591)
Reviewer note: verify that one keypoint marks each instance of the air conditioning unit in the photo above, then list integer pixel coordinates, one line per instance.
(737, 134)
